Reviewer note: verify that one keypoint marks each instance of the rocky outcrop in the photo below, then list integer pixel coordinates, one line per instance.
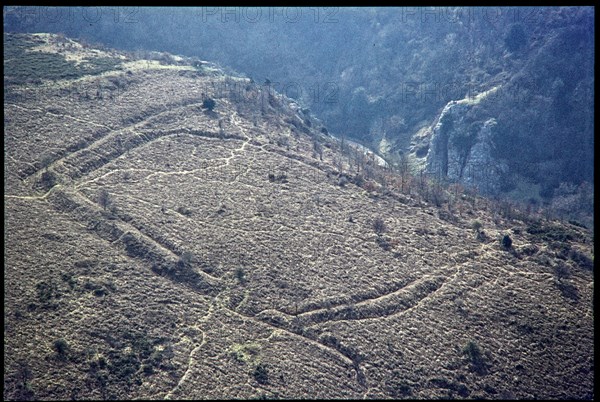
(461, 148)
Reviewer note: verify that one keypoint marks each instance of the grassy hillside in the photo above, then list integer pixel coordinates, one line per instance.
(159, 247)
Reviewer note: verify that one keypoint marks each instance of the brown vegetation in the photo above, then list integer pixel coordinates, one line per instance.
(236, 266)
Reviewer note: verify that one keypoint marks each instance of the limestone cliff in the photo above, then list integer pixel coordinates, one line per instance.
(460, 148)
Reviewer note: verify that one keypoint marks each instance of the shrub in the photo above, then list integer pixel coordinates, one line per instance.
(581, 259)
(552, 232)
(578, 224)
(185, 260)
(476, 225)
(476, 358)
(379, 226)
(369, 186)
(562, 250)
(102, 362)
(104, 198)
(447, 216)
(562, 270)
(283, 142)
(384, 243)
(529, 249)
(68, 277)
(112, 212)
(147, 369)
(343, 180)
(184, 211)
(92, 286)
(282, 178)
(48, 179)
(398, 387)
(260, 374)
(452, 387)
(568, 290)
(240, 275)
(359, 180)
(481, 236)
(46, 291)
(506, 242)
(61, 347)
(123, 367)
(209, 104)
(23, 391)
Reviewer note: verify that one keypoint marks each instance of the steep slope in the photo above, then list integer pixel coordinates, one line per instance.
(383, 74)
(160, 247)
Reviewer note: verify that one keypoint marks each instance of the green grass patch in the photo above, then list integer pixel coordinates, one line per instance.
(246, 353)
(24, 65)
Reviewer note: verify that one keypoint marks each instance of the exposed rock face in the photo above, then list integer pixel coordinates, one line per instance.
(482, 170)
(461, 149)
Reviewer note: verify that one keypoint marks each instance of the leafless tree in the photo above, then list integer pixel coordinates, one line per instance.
(317, 149)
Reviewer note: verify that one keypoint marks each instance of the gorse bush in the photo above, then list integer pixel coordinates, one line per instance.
(104, 199)
(209, 104)
(506, 242)
(240, 275)
(568, 290)
(185, 260)
(47, 179)
(342, 181)
(23, 390)
(384, 243)
(562, 271)
(184, 211)
(260, 374)
(476, 225)
(47, 291)
(476, 358)
(281, 178)
(61, 347)
(379, 226)
(582, 260)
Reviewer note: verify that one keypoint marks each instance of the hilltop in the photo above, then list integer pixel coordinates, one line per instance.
(172, 231)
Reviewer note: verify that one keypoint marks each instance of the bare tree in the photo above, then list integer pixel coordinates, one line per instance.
(317, 149)
(404, 171)
(338, 163)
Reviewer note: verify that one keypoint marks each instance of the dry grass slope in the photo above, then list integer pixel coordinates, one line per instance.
(157, 249)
